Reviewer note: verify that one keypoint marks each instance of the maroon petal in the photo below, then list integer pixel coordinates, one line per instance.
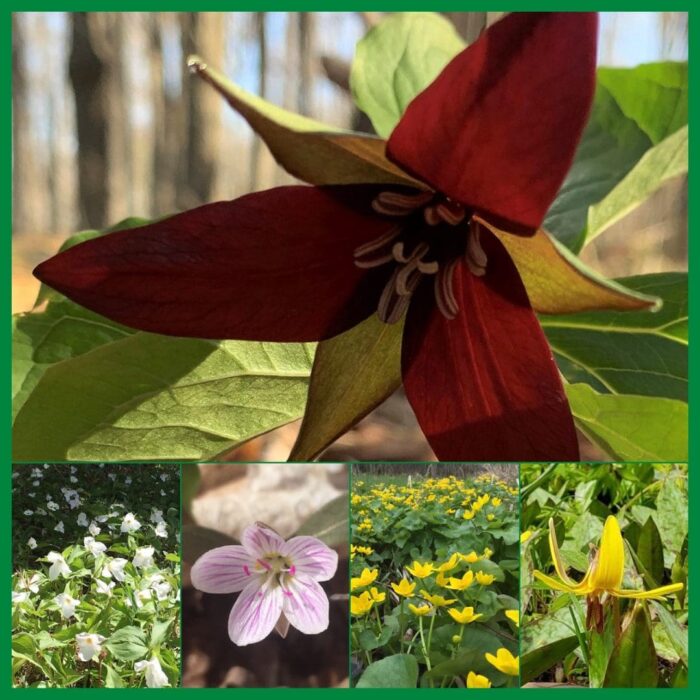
(484, 386)
(498, 128)
(274, 265)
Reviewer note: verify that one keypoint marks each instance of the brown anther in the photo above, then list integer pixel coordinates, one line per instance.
(431, 216)
(475, 256)
(451, 213)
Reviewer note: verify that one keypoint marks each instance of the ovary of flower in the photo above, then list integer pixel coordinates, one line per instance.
(404, 588)
(474, 680)
(513, 616)
(161, 529)
(143, 558)
(155, 677)
(361, 604)
(463, 616)
(505, 662)
(89, 645)
(437, 600)
(93, 546)
(129, 523)
(525, 536)
(419, 610)
(364, 579)
(484, 579)
(278, 580)
(450, 564)
(421, 570)
(604, 573)
(58, 567)
(461, 584)
(67, 604)
(115, 568)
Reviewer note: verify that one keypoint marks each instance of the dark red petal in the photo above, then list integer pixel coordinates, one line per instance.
(274, 265)
(498, 128)
(484, 386)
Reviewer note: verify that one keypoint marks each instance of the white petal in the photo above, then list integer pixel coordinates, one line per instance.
(311, 557)
(260, 540)
(254, 614)
(223, 570)
(306, 606)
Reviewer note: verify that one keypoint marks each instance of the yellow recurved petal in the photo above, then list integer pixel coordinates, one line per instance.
(607, 570)
(558, 561)
(649, 595)
(554, 584)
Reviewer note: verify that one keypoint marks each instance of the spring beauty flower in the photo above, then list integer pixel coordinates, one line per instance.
(278, 581)
(427, 227)
(474, 680)
(604, 574)
(89, 645)
(58, 567)
(505, 662)
(155, 677)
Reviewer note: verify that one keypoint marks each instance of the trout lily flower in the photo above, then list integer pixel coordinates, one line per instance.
(89, 645)
(422, 228)
(604, 574)
(278, 582)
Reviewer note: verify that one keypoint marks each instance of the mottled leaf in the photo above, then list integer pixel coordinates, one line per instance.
(633, 663)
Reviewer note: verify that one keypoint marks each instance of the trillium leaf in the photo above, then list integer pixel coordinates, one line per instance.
(631, 428)
(396, 671)
(397, 59)
(157, 397)
(661, 164)
(557, 282)
(633, 663)
(541, 659)
(632, 352)
(329, 524)
(112, 678)
(128, 644)
(352, 374)
(309, 150)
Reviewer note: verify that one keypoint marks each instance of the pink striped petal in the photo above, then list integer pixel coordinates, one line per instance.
(306, 606)
(223, 570)
(311, 557)
(261, 540)
(254, 614)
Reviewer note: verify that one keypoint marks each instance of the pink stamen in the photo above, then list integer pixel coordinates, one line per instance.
(292, 570)
(246, 569)
(264, 564)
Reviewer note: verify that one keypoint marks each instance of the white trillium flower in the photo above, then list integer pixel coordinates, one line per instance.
(155, 678)
(67, 603)
(60, 528)
(104, 588)
(115, 568)
(20, 596)
(94, 529)
(52, 506)
(89, 645)
(82, 520)
(31, 543)
(156, 515)
(161, 529)
(143, 557)
(28, 512)
(130, 524)
(142, 597)
(93, 546)
(29, 583)
(58, 566)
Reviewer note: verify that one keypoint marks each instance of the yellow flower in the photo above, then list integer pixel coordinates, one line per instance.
(361, 604)
(364, 579)
(468, 515)
(442, 580)
(419, 609)
(465, 616)
(461, 584)
(404, 588)
(420, 570)
(470, 558)
(495, 502)
(484, 579)
(437, 600)
(490, 516)
(450, 563)
(505, 662)
(474, 680)
(604, 573)
(378, 596)
(525, 536)
(487, 553)
(514, 616)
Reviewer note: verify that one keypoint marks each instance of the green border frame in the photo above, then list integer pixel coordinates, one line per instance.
(299, 5)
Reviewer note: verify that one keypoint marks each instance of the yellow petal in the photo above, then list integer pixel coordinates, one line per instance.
(556, 585)
(557, 282)
(607, 570)
(474, 680)
(559, 562)
(652, 594)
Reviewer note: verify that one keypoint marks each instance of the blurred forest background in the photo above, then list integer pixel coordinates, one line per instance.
(108, 123)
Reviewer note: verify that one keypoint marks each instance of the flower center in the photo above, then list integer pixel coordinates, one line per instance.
(275, 569)
(434, 235)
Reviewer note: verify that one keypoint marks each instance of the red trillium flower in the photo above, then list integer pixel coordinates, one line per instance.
(481, 151)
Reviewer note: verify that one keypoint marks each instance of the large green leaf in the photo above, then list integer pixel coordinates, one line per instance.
(634, 109)
(628, 352)
(650, 551)
(631, 428)
(308, 149)
(157, 397)
(677, 633)
(543, 658)
(128, 644)
(330, 524)
(658, 166)
(396, 60)
(43, 338)
(633, 663)
(352, 373)
(397, 671)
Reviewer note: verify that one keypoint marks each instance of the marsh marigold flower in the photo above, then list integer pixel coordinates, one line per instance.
(505, 662)
(474, 680)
